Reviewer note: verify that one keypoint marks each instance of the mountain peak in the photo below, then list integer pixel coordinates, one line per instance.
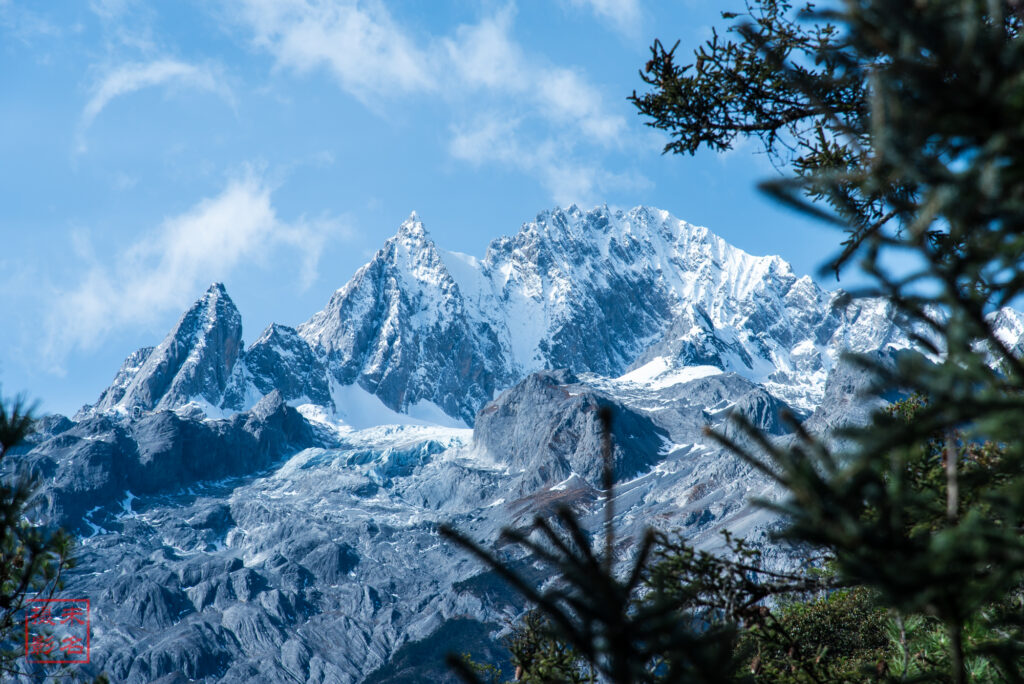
(594, 290)
(193, 361)
(412, 228)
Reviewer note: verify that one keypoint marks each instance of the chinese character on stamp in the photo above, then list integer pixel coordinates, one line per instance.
(57, 631)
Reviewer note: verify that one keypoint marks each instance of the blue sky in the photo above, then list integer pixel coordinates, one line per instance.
(151, 148)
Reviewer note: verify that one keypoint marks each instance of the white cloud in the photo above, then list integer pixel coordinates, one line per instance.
(129, 78)
(623, 15)
(162, 271)
(551, 114)
(19, 23)
(110, 9)
(130, 23)
(363, 48)
(124, 182)
(571, 99)
(569, 179)
(489, 138)
(485, 56)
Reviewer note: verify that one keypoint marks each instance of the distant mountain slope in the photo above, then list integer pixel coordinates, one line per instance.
(424, 329)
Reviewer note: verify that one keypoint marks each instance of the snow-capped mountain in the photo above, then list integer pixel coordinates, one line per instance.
(594, 292)
(193, 363)
(407, 331)
(269, 513)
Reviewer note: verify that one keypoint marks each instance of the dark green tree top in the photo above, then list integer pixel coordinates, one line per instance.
(899, 121)
(33, 557)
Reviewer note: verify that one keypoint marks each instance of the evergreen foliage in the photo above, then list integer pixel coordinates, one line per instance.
(837, 637)
(540, 656)
(920, 153)
(933, 166)
(33, 557)
(590, 610)
(901, 122)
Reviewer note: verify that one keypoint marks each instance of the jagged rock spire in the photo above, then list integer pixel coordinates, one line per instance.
(193, 362)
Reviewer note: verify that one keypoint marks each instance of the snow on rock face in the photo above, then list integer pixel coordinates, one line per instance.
(573, 292)
(236, 553)
(129, 369)
(296, 538)
(598, 291)
(195, 360)
(602, 291)
(402, 330)
(658, 374)
(224, 549)
(278, 360)
(99, 458)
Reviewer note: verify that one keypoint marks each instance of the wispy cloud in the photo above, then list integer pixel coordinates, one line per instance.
(164, 269)
(129, 78)
(486, 57)
(19, 23)
(622, 15)
(552, 116)
(363, 47)
(545, 120)
(569, 178)
(128, 23)
(111, 9)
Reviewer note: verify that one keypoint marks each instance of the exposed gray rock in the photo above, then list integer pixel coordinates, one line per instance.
(195, 651)
(47, 427)
(693, 340)
(147, 603)
(113, 395)
(762, 410)
(599, 292)
(279, 360)
(331, 563)
(848, 396)
(195, 360)
(402, 330)
(299, 572)
(95, 463)
(548, 426)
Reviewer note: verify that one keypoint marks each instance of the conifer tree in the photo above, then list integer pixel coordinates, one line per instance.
(33, 556)
(899, 121)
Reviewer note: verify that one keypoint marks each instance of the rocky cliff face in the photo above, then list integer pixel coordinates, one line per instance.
(192, 363)
(597, 292)
(272, 547)
(404, 330)
(279, 360)
(547, 428)
(239, 524)
(100, 459)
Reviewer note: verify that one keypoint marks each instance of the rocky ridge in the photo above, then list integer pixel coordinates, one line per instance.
(602, 292)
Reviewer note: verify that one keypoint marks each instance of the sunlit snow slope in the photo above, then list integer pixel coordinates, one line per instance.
(431, 332)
